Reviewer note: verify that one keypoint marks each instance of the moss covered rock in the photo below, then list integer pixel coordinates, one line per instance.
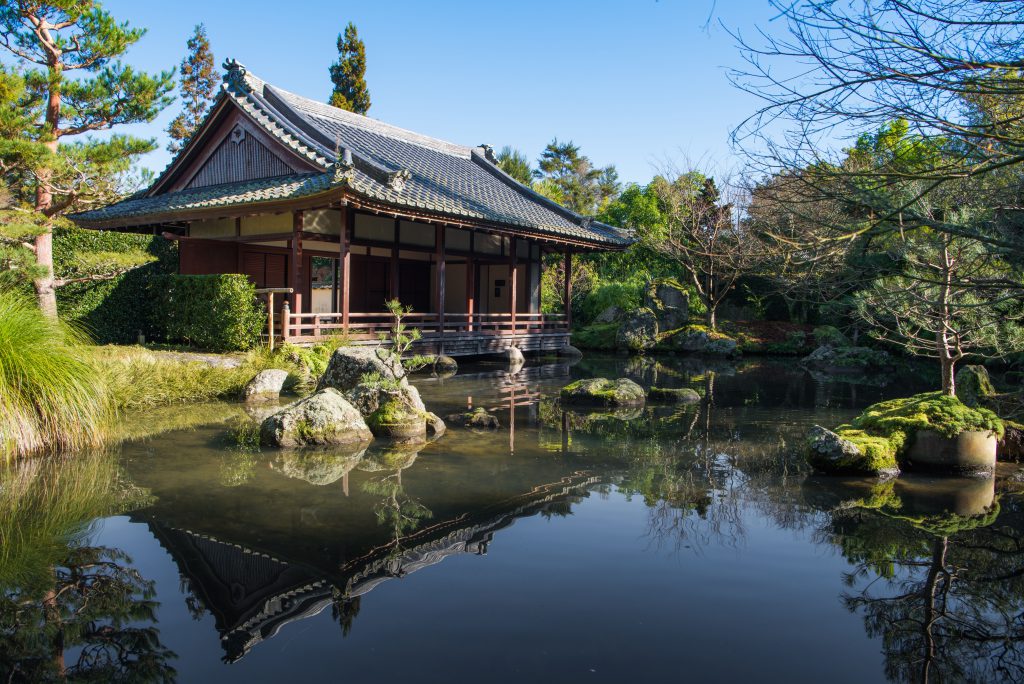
(477, 419)
(596, 336)
(670, 303)
(973, 385)
(829, 359)
(843, 453)
(323, 418)
(884, 432)
(679, 395)
(638, 331)
(699, 339)
(350, 365)
(603, 392)
(396, 417)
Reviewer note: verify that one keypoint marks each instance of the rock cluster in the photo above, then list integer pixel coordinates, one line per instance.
(603, 392)
(683, 395)
(828, 452)
(477, 419)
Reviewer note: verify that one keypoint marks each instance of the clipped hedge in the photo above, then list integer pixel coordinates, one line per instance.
(215, 312)
(115, 310)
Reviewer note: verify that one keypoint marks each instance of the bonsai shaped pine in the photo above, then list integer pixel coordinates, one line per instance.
(393, 348)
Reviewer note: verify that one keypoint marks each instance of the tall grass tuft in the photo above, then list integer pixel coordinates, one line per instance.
(50, 396)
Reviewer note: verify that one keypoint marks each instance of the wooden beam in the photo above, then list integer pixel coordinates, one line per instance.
(348, 219)
(470, 291)
(513, 276)
(439, 245)
(296, 245)
(568, 289)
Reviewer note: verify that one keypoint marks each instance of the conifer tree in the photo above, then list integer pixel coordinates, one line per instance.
(197, 85)
(349, 73)
(60, 173)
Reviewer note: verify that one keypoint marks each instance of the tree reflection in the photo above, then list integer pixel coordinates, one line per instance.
(70, 610)
(944, 592)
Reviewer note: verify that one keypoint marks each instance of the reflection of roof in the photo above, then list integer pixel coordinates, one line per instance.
(252, 594)
(368, 158)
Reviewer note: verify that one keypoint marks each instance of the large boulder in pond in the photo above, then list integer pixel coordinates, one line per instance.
(399, 414)
(349, 365)
(603, 392)
(973, 385)
(830, 453)
(368, 396)
(670, 303)
(638, 331)
(323, 418)
(265, 386)
(700, 340)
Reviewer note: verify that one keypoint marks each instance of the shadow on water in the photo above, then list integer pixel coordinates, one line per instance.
(264, 539)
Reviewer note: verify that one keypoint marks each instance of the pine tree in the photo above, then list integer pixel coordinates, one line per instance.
(197, 86)
(49, 39)
(349, 73)
(569, 177)
(514, 163)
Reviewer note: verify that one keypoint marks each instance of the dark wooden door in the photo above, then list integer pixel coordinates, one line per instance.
(266, 269)
(369, 284)
(414, 285)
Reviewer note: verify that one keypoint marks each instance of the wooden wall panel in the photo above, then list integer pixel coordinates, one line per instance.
(200, 257)
(239, 160)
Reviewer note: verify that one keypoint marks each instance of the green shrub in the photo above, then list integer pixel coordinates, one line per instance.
(217, 312)
(626, 296)
(50, 396)
(113, 310)
(830, 335)
(597, 336)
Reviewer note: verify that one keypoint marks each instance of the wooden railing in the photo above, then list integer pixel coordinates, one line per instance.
(308, 327)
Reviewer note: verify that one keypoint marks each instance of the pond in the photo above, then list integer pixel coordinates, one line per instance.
(674, 542)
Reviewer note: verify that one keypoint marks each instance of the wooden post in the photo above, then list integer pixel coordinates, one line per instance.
(346, 265)
(270, 319)
(470, 295)
(394, 263)
(440, 247)
(513, 277)
(297, 288)
(286, 317)
(568, 290)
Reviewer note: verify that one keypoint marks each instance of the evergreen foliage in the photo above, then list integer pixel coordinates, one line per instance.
(198, 84)
(349, 73)
(44, 165)
(514, 163)
(214, 312)
(569, 177)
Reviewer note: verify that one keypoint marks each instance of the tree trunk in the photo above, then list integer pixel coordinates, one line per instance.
(710, 316)
(948, 373)
(947, 359)
(46, 293)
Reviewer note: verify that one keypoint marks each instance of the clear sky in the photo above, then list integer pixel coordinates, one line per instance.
(633, 82)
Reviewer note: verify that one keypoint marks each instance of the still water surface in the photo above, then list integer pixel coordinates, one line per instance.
(674, 543)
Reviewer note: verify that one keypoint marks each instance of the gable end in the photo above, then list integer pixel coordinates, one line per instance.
(239, 157)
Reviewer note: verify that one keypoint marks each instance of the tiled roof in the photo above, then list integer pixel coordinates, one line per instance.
(373, 159)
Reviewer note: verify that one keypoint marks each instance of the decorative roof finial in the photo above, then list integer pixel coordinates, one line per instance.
(489, 153)
(343, 168)
(234, 73)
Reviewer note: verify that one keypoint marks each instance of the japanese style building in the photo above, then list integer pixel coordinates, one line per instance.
(349, 212)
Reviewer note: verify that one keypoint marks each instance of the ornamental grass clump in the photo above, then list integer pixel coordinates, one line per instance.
(888, 428)
(51, 398)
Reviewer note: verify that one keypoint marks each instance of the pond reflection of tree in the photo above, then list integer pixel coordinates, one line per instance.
(397, 511)
(62, 596)
(944, 591)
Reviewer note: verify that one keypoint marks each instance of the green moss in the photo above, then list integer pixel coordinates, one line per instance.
(390, 412)
(930, 411)
(597, 336)
(884, 430)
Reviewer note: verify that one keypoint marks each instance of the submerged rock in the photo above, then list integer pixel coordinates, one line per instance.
(638, 332)
(265, 386)
(514, 356)
(348, 366)
(603, 392)
(683, 395)
(479, 419)
(973, 385)
(325, 417)
(831, 453)
(435, 426)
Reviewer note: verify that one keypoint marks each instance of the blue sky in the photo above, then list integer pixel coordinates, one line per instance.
(635, 83)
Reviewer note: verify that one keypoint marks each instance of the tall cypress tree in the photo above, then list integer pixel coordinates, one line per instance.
(197, 86)
(49, 39)
(349, 73)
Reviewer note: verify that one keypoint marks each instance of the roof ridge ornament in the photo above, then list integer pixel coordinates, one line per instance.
(234, 74)
(489, 153)
(343, 169)
(398, 179)
(585, 221)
